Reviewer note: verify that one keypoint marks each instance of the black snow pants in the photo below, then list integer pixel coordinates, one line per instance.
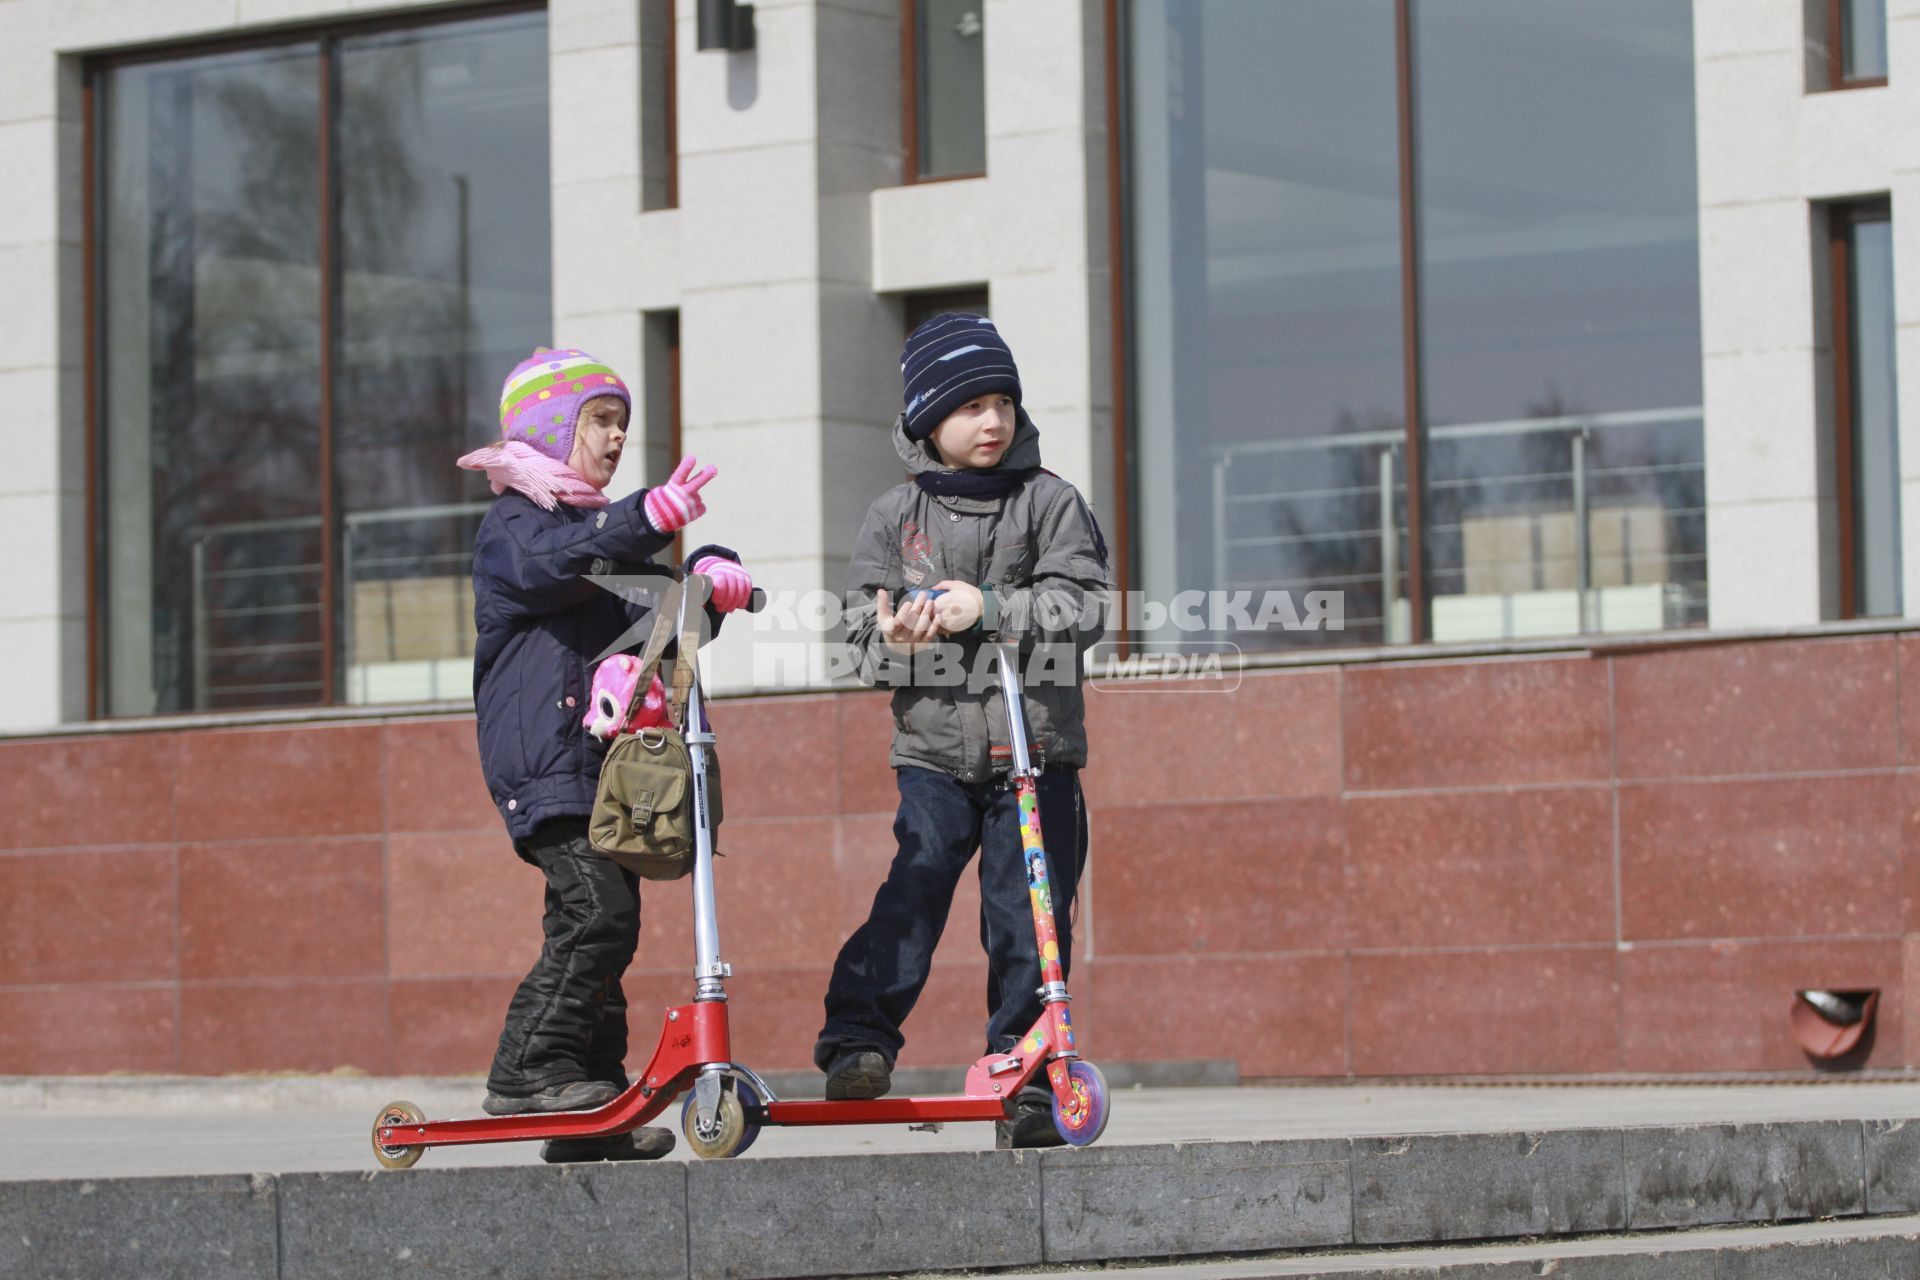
(568, 1020)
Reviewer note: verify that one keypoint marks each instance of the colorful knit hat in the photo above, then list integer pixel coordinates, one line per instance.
(948, 361)
(541, 399)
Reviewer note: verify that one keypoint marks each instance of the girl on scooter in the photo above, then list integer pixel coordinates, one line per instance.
(541, 624)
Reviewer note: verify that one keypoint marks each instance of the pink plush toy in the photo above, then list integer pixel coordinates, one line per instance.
(613, 682)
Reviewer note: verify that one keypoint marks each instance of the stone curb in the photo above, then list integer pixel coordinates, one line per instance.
(858, 1215)
(1844, 1250)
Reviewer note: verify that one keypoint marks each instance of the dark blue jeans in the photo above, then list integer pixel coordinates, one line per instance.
(940, 823)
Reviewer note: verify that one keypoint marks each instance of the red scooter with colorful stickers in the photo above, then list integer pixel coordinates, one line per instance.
(727, 1103)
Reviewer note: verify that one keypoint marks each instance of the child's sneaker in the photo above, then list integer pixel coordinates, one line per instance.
(577, 1095)
(859, 1073)
(647, 1143)
(1032, 1124)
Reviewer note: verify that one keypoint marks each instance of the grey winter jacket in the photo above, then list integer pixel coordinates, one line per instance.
(1042, 551)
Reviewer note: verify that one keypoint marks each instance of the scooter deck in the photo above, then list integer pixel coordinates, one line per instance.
(694, 1037)
(883, 1110)
(632, 1109)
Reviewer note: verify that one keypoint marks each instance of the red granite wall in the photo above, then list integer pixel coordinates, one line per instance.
(1516, 865)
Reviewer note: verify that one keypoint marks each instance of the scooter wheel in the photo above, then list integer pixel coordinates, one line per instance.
(1084, 1119)
(394, 1157)
(749, 1101)
(728, 1134)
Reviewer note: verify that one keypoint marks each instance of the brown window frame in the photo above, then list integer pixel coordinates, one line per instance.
(910, 175)
(1842, 218)
(1836, 53)
(1120, 336)
(325, 35)
(1419, 621)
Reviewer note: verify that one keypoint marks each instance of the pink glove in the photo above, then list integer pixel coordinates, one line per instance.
(677, 503)
(732, 585)
(613, 682)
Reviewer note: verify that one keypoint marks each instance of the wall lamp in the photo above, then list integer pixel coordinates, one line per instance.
(725, 24)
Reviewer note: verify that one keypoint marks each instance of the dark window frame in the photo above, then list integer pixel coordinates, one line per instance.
(1837, 79)
(661, 96)
(1842, 218)
(326, 36)
(675, 443)
(910, 174)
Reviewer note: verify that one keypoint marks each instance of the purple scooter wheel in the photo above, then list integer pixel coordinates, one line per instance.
(1083, 1123)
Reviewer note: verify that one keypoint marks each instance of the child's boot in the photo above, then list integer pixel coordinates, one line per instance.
(859, 1073)
(646, 1143)
(577, 1095)
(1032, 1124)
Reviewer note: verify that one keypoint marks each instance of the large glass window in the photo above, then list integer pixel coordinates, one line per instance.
(1559, 317)
(316, 258)
(1511, 185)
(1267, 302)
(947, 92)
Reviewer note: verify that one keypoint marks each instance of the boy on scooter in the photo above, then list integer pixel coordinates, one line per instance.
(541, 625)
(981, 545)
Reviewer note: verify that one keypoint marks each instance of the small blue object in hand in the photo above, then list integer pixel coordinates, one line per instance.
(926, 593)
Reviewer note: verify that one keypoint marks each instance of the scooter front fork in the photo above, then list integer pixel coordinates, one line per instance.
(1047, 1047)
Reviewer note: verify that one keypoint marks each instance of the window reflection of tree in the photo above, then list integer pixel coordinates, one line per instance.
(1329, 509)
(1476, 479)
(234, 270)
(402, 370)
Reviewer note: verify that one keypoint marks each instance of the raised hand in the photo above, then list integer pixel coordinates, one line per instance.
(677, 503)
(732, 585)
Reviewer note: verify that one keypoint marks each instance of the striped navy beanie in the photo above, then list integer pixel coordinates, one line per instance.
(948, 361)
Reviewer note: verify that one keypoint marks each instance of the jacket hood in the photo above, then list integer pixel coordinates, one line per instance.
(1022, 454)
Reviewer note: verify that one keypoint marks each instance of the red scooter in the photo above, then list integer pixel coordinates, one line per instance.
(727, 1103)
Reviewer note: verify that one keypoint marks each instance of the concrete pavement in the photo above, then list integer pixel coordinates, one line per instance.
(140, 1126)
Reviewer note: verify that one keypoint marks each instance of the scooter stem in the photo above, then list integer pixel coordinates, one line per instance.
(709, 971)
(1033, 851)
(1016, 710)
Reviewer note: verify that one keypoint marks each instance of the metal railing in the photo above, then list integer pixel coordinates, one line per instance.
(251, 543)
(1378, 540)
(435, 678)
(240, 656)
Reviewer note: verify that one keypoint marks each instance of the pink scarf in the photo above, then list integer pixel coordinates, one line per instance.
(524, 469)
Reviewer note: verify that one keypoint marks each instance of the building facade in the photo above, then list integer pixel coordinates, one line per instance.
(1562, 346)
